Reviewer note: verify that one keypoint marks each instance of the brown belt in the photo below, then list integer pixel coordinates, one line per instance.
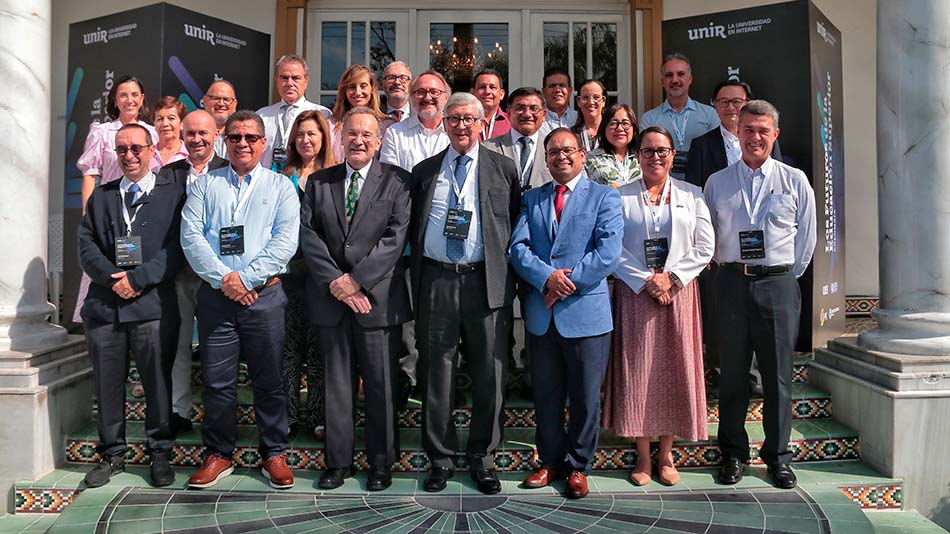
(272, 281)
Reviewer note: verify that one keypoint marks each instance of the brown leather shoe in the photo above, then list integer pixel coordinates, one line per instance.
(276, 470)
(214, 468)
(576, 485)
(542, 477)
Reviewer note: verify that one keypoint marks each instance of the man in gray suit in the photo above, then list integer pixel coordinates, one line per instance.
(464, 202)
(522, 143)
(354, 220)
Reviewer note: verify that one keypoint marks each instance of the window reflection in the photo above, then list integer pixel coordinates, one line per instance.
(333, 60)
(604, 37)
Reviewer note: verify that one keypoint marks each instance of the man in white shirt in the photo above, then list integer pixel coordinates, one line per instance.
(764, 215)
(556, 86)
(220, 101)
(395, 84)
(684, 117)
(291, 76)
(423, 135)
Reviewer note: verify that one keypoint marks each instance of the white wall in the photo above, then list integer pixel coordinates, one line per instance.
(259, 15)
(857, 21)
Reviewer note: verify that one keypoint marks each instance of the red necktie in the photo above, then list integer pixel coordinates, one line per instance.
(396, 114)
(559, 200)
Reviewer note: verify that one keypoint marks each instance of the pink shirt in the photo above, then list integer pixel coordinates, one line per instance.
(98, 156)
(157, 162)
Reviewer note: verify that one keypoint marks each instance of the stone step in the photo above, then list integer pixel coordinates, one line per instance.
(903, 523)
(811, 440)
(828, 483)
(808, 402)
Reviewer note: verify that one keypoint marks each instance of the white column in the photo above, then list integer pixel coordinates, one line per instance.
(913, 160)
(24, 176)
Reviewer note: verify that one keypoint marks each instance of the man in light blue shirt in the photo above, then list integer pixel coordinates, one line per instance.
(239, 227)
(684, 117)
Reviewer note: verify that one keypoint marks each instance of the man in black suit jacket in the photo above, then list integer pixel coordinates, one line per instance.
(353, 224)
(465, 200)
(199, 131)
(129, 247)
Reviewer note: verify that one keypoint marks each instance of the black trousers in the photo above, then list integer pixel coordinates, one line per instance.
(454, 307)
(758, 314)
(153, 345)
(229, 332)
(349, 350)
(565, 368)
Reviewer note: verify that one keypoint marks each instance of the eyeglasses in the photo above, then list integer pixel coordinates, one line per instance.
(591, 98)
(250, 138)
(455, 120)
(521, 108)
(660, 152)
(401, 78)
(619, 125)
(566, 151)
(226, 100)
(723, 102)
(435, 93)
(135, 149)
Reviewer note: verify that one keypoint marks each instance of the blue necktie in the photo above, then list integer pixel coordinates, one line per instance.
(455, 247)
(132, 196)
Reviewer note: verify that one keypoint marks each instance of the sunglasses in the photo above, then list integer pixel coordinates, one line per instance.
(250, 138)
(135, 149)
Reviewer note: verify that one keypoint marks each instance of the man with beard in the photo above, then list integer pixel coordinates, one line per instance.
(422, 136)
(395, 85)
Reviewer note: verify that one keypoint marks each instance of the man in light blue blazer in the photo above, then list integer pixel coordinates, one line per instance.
(566, 242)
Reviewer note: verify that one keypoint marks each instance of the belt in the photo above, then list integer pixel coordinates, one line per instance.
(758, 270)
(457, 268)
(272, 281)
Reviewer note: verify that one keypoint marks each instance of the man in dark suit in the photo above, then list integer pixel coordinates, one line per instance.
(464, 202)
(128, 245)
(354, 220)
(709, 153)
(199, 131)
(566, 243)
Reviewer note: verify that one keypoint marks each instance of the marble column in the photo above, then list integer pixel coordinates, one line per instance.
(24, 168)
(913, 160)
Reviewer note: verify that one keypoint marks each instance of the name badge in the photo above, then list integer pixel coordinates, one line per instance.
(457, 223)
(128, 251)
(752, 244)
(279, 160)
(232, 240)
(656, 252)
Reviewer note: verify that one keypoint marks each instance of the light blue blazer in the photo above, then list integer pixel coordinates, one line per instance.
(588, 241)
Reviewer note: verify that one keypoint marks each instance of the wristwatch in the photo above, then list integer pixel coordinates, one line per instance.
(675, 279)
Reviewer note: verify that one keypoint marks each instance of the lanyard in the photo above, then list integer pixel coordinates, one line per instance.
(750, 208)
(125, 215)
(459, 201)
(244, 193)
(491, 126)
(587, 144)
(280, 121)
(622, 166)
(679, 131)
(655, 213)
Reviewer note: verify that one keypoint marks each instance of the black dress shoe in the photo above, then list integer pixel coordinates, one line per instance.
(333, 477)
(731, 471)
(379, 478)
(487, 481)
(405, 391)
(103, 471)
(437, 478)
(180, 424)
(782, 475)
(161, 471)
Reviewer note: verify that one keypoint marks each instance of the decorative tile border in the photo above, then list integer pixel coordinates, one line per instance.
(43, 500)
(876, 497)
(860, 305)
(684, 455)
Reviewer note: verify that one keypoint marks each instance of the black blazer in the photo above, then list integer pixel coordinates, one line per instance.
(707, 155)
(158, 223)
(499, 196)
(368, 248)
(178, 170)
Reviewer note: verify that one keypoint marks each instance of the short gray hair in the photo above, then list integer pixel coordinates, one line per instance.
(676, 55)
(465, 99)
(292, 58)
(760, 107)
(243, 115)
(362, 110)
(399, 62)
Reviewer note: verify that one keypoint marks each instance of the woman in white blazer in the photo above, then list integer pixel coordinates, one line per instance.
(654, 384)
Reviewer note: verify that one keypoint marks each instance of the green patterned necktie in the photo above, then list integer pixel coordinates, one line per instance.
(352, 196)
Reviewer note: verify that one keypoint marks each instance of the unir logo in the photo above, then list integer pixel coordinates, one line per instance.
(199, 33)
(707, 32)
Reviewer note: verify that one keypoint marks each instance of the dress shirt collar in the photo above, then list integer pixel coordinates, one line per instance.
(414, 124)
(472, 153)
(746, 172)
(515, 137)
(146, 184)
(574, 181)
(204, 169)
(233, 175)
(299, 103)
(364, 172)
(728, 136)
(690, 105)
(406, 111)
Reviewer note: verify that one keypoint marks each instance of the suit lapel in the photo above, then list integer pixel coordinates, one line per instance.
(676, 198)
(539, 173)
(372, 182)
(720, 151)
(577, 198)
(483, 174)
(433, 179)
(546, 204)
(337, 197)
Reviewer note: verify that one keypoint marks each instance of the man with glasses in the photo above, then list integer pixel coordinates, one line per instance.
(395, 85)
(464, 200)
(220, 101)
(567, 241)
(239, 230)
(522, 143)
(684, 117)
(487, 88)
(710, 153)
(422, 136)
(131, 302)
(556, 86)
(291, 76)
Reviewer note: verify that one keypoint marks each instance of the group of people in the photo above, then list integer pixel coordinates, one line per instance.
(373, 242)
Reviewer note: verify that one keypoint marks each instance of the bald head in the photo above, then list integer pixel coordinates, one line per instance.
(221, 101)
(199, 130)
